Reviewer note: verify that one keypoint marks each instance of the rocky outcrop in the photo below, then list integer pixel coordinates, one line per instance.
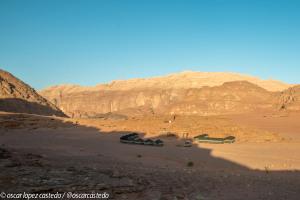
(16, 96)
(290, 99)
(230, 98)
(91, 104)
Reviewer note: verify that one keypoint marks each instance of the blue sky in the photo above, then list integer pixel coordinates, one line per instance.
(88, 42)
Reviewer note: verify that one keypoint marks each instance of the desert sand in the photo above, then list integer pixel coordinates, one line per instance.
(50, 154)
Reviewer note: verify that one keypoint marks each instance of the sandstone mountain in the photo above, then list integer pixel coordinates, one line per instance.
(183, 93)
(183, 80)
(16, 96)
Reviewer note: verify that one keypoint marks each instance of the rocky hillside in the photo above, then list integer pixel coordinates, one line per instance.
(229, 98)
(16, 96)
(183, 93)
(290, 99)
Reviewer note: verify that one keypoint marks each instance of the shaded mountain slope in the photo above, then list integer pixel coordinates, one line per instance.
(17, 96)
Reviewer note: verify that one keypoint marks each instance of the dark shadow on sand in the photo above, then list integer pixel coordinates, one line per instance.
(21, 106)
(227, 180)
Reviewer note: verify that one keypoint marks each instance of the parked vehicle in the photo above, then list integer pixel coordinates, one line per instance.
(187, 143)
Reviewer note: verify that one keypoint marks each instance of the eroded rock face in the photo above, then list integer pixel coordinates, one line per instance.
(90, 104)
(184, 93)
(290, 99)
(229, 98)
(17, 96)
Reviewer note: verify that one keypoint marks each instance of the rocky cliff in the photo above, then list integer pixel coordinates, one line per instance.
(17, 96)
(183, 93)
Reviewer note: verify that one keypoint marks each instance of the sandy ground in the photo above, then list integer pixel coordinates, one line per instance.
(286, 123)
(53, 154)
